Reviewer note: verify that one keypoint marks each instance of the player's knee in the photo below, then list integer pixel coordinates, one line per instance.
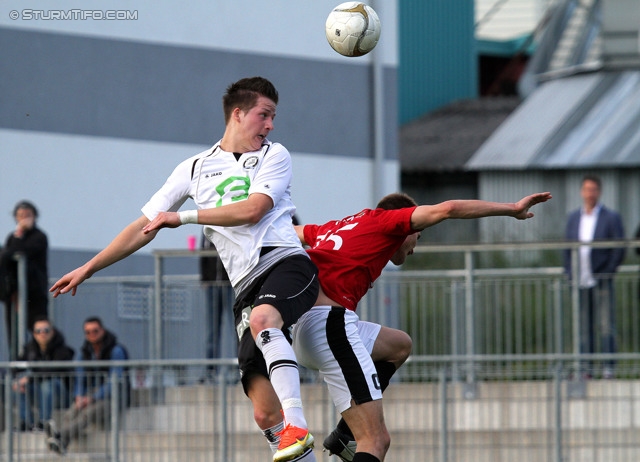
(405, 345)
(264, 317)
(401, 346)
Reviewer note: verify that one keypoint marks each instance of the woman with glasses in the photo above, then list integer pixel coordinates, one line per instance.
(43, 388)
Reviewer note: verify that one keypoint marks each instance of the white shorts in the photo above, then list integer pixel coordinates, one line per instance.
(333, 341)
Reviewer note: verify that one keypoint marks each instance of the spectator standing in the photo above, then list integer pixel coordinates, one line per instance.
(92, 403)
(596, 269)
(32, 242)
(46, 388)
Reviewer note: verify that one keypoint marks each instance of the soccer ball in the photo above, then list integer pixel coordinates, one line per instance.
(353, 29)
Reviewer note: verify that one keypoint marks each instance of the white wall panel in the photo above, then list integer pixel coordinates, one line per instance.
(88, 188)
(278, 27)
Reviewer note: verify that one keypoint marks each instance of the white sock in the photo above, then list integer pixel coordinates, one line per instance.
(272, 438)
(308, 456)
(283, 373)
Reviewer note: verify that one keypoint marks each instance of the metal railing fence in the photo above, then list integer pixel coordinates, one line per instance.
(496, 370)
(475, 299)
(485, 298)
(531, 414)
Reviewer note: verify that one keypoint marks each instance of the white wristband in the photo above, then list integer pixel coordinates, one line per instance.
(188, 217)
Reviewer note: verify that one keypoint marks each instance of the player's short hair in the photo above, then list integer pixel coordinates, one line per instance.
(594, 178)
(42, 318)
(92, 319)
(396, 201)
(25, 205)
(244, 94)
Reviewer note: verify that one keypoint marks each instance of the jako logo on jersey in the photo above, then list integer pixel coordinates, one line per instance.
(251, 162)
(266, 296)
(211, 175)
(265, 337)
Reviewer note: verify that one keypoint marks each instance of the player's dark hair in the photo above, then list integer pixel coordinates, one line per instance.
(594, 178)
(244, 94)
(396, 201)
(42, 318)
(95, 319)
(25, 205)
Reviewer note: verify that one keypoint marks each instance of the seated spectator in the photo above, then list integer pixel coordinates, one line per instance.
(44, 388)
(93, 387)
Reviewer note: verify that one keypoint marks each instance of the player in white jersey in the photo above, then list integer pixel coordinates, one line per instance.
(243, 182)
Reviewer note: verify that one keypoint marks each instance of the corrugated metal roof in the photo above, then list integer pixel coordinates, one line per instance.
(445, 139)
(590, 120)
(504, 20)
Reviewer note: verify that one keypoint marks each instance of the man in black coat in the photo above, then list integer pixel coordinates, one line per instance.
(93, 392)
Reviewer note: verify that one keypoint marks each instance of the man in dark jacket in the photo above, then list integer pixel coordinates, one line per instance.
(30, 241)
(93, 391)
(596, 269)
(47, 388)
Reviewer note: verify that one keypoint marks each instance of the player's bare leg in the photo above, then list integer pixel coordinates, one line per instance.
(266, 324)
(367, 423)
(267, 414)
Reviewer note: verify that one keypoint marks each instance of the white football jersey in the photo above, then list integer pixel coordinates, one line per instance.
(214, 178)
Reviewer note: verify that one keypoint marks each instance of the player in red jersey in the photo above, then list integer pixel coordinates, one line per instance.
(357, 359)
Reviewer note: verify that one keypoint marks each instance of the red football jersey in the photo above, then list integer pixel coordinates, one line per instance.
(351, 253)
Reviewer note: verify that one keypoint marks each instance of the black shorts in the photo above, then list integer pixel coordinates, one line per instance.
(291, 286)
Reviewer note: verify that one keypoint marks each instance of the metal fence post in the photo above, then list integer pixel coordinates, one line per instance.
(156, 317)
(557, 304)
(223, 452)
(115, 415)
(470, 389)
(575, 302)
(444, 431)
(8, 415)
(455, 372)
(156, 330)
(557, 407)
(18, 325)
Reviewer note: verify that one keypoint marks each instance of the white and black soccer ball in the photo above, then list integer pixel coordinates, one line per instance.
(353, 29)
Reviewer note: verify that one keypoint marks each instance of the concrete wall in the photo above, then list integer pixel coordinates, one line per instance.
(96, 113)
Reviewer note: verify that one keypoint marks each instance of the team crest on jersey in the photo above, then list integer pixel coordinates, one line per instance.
(251, 162)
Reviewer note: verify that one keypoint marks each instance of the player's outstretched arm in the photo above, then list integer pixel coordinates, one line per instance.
(125, 243)
(245, 212)
(429, 215)
(524, 204)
